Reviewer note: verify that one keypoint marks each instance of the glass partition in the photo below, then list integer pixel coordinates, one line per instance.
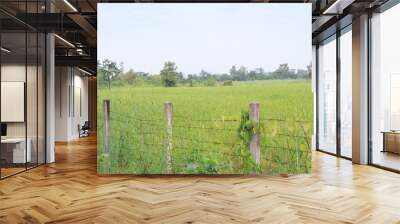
(14, 153)
(35, 88)
(22, 78)
(327, 96)
(32, 96)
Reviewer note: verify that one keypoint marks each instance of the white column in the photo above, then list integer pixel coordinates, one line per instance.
(50, 92)
(50, 98)
(360, 90)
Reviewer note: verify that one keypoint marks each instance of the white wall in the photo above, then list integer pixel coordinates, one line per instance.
(62, 82)
(12, 73)
(79, 117)
(33, 126)
(71, 87)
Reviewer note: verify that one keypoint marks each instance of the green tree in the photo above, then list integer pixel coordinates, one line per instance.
(130, 77)
(232, 71)
(169, 74)
(101, 76)
(283, 72)
(309, 70)
(242, 73)
(109, 71)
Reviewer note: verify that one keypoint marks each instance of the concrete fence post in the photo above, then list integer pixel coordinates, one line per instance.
(254, 115)
(168, 111)
(106, 115)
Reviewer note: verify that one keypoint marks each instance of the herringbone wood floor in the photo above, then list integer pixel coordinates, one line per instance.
(70, 191)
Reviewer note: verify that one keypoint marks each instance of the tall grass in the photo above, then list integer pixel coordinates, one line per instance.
(205, 128)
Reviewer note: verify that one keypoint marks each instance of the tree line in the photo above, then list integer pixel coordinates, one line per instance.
(110, 73)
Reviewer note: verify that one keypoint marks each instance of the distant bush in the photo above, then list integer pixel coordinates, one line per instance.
(228, 83)
(211, 82)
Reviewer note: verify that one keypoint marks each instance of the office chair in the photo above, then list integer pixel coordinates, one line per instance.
(84, 130)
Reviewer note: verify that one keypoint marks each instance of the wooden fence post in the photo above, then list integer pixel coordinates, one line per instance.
(254, 115)
(106, 115)
(168, 139)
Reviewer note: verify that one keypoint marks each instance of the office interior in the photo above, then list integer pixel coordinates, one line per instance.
(47, 96)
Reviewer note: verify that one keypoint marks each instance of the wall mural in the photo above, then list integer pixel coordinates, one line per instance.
(204, 89)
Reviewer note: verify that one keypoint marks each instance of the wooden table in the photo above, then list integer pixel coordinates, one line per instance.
(391, 141)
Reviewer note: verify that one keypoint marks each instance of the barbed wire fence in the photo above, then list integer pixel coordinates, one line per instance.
(181, 144)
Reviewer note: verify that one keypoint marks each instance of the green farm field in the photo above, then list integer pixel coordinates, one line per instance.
(210, 132)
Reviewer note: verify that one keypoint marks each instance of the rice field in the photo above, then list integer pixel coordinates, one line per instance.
(207, 129)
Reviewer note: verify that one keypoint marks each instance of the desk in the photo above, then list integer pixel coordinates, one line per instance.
(391, 141)
(13, 150)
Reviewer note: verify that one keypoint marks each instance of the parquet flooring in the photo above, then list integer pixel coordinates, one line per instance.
(11, 170)
(70, 191)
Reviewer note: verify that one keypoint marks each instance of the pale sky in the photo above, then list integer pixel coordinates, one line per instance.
(212, 37)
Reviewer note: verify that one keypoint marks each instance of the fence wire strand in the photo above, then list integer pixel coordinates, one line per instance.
(282, 141)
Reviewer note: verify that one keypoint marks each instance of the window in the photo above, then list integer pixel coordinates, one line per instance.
(327, 96)
(346, 93)
(385, 89)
